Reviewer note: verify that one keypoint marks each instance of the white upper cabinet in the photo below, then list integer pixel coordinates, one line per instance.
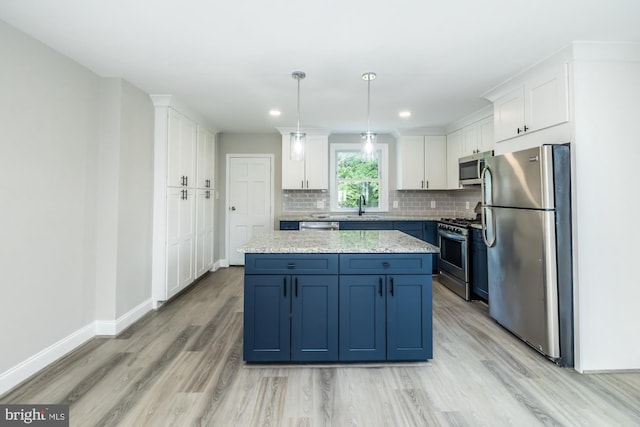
(312, 173)
(542, 101)
(181, 155)
(477, 137)
(454, 152)
(422, 163)
(206, 159)
(487, 136)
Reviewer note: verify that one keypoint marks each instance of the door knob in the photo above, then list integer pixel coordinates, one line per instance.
(233, 208)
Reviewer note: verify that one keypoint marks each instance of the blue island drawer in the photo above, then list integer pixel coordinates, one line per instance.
(385, 263)
(291, 264)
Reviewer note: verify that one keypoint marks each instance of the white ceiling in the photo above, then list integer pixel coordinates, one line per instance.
(232, 60)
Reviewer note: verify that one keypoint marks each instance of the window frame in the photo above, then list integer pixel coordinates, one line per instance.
(383, 170)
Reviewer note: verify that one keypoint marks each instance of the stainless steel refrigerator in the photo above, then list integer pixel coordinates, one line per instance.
(526, 217)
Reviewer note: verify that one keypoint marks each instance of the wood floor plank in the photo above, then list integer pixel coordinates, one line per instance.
(182, 366)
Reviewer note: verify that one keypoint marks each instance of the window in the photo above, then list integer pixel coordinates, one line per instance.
(352, 177)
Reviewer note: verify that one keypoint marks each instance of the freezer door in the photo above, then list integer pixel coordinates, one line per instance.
(522, 178)
(523, 293)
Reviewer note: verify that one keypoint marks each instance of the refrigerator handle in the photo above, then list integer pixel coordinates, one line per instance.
(483, 211)
(483, 184)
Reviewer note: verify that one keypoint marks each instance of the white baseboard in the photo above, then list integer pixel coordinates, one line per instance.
(14, 376)
(223, 263)
(114, 327)
(40, 360)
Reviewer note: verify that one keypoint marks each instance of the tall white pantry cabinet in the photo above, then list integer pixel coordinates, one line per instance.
(183, 229)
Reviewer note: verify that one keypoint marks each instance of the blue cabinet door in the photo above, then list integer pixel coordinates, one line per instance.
(314, 321)
(412, 228)
(409, 324)
(479, 267)
(289, 225)
(366, 225)
(267, 304)
(362, 318)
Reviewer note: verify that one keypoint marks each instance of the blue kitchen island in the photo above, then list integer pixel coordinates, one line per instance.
(337, 296)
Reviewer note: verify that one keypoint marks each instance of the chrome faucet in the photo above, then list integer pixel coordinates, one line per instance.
(361, 202)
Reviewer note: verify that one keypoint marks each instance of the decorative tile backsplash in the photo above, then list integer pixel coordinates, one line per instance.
(445, 203)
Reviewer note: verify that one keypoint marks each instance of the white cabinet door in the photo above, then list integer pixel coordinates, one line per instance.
(180, 239)
(542, 102)
(508, 115)
(292, 170)
(410, 163)
(435, 162)
(470, 139)
(454, 149)
(316, 158)
(206, 153)
(311, 173)
(181, 155)
(486, 141)
(547, 99)
(204, 231)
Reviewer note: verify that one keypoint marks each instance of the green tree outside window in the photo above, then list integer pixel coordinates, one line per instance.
(355, 177)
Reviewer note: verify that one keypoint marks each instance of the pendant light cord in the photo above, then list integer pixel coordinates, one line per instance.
(369, 105)
(298, 105)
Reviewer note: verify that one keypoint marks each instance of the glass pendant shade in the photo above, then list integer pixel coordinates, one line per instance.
(297, 142)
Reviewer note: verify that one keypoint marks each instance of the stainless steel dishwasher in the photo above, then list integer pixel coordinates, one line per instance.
(319, 225)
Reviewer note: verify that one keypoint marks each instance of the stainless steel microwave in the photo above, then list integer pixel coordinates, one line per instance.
(470, 167)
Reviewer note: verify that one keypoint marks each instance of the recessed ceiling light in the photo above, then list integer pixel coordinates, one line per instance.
(274, 113)
(404, 114)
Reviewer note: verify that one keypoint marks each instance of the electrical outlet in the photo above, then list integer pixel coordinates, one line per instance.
(433, 204)
(395, 203)
(320, 204)
(466, 205)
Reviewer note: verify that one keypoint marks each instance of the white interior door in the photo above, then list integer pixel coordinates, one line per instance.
(250, 196)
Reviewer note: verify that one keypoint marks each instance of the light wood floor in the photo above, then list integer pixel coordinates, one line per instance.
(182, 366)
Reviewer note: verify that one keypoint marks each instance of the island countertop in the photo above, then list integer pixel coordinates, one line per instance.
(336, 242)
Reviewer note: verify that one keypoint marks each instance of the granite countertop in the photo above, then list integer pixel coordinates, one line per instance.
(355, 217)
(332, 242)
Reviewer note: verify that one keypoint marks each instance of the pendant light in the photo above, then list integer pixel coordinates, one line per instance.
(297, 139)
(368, 138)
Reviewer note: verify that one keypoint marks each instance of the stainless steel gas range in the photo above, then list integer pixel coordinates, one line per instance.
(453, 239)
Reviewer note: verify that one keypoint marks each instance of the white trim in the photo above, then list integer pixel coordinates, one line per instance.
(384, 178)
(469, 119)
(271, 157)
(224, 263)
(30, 366)
(114, 327)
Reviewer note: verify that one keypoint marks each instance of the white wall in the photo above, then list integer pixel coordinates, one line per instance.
(125, 201)
(607, 148)
(71, 145)
(135, 213)
(48, 145)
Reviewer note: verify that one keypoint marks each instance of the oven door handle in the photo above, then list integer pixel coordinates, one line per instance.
(452, 236)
